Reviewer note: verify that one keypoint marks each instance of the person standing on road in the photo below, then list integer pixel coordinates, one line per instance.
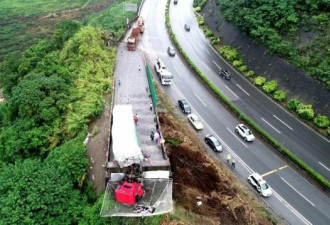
(150, 106)
(119, 82)
(152, 135)
(139, 67)
(156, 137)
(136, 120)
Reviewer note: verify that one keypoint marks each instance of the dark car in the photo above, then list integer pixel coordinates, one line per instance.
(187, 27)
(213, 142)
(171, 51)
(184, 106)
(225, 74)
(175, 1)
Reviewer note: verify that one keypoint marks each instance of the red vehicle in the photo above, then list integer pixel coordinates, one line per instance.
(129, 192)
(133, 40)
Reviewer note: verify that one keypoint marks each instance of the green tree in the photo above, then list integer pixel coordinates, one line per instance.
(32, 193)
(321, 121)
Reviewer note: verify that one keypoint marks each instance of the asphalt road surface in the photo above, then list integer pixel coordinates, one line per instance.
(294, 198)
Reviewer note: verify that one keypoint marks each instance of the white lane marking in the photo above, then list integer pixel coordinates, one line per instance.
(200, 99)
(236, 137)
(293, 210)
(206, 66)
(243, 90)
(324, 166)
(216, 64)
(231, 91)
(297, 192)
(200, 45)
(270, 125)
(227, 147)
(283, 122)
(177, 72)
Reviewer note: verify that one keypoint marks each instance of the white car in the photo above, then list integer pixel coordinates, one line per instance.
(246, 134)
(260, 184)
(194, 120)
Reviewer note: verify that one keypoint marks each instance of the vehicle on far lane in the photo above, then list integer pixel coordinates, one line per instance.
(187, 27)
(184, 106)
(245, 133)
(224, 74)
(213, 142)
(194, 120)
(171, 51)
(260, 184)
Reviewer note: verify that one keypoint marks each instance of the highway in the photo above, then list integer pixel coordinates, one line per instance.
(294, 198)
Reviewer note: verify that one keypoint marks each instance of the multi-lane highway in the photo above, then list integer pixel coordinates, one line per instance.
(294, 198)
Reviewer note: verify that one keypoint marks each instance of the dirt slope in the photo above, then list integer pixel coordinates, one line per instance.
(197, 176)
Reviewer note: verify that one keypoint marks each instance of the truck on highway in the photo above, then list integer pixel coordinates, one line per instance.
(163, 73)
(141, 24)
(133, 39)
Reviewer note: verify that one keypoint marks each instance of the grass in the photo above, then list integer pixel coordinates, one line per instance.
(24, 23)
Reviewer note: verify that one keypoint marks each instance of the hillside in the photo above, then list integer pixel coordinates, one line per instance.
(298, 31)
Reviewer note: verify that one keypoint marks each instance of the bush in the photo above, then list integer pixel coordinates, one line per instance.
(243, 68)
(305, 111)
(201, 22)
(293, 103)
(198, 9)
(329, 131)
(259, 80)
(250, 73)
(321, 121)
(229, 53)
(279, 95)
(214, 42)
(208, 33)
(270, 86)
(237, 63)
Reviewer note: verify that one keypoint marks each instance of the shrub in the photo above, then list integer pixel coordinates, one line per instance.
(214, 42)
(238, 63)
(321, 121)
(293, 103)
(329, 131)
(279, 95)
(305, 111)
(243, 68)
(259, 80)
(270, 86)
(198, 9)
(208, 33)
(201, 22)
(250, 73)
(229, 53)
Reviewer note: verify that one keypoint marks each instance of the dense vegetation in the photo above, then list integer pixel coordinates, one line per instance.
(282, 27)
(53, 90)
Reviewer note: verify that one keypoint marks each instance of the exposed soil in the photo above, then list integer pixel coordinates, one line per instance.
(199, 177)
(97, 149)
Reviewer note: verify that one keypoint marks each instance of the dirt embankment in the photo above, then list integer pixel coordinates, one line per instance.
(199, 177)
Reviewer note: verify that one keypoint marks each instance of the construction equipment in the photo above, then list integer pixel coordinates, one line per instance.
(163, 73)
(133, 39)
(130, 190)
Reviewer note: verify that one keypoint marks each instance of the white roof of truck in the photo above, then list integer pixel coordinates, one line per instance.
(125, 145)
